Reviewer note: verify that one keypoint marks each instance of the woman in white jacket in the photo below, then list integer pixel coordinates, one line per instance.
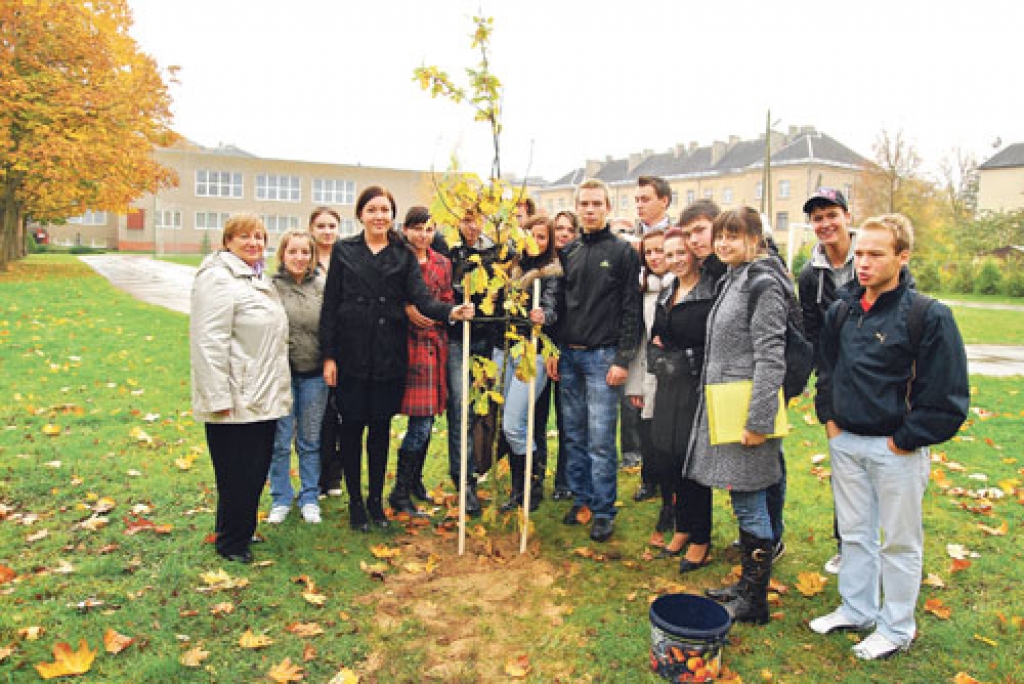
(241, 383)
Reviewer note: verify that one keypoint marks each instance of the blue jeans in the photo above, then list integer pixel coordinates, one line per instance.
(879, 498)
(751, 509)
(454, 412)
(310, 401)
(590, 412)
(417, 433)
(517, 404)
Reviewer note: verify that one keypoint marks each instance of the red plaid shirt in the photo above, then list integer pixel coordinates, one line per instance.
(426, 385)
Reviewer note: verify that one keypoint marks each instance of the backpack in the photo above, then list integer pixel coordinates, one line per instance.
(799, 353)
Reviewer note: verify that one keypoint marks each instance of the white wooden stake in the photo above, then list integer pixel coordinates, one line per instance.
(464, 424)
(530, 410)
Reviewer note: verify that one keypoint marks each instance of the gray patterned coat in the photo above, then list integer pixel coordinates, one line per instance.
(741, 347)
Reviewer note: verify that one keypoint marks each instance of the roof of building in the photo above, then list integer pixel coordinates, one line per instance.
(1011, 156)
(800, 146)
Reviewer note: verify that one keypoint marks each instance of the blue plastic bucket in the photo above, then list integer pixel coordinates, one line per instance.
(687, 636)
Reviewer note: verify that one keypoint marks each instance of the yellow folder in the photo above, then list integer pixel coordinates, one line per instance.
(728, 404)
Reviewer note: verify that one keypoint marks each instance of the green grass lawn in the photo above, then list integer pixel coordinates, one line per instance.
(106, 498)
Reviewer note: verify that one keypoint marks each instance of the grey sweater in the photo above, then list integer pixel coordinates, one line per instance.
(302, 302)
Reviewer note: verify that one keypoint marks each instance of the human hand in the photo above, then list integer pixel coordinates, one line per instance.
(463, 312)
(537, 316)
(551, 367)
(416, 318)
(896, 450)
(637, 401)
(330, 372)
(832, 430)
(616, 376)
(752, 439)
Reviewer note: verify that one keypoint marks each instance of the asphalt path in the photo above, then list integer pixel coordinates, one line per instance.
(170, 285)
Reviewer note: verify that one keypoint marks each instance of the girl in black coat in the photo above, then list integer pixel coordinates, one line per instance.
(363, 337)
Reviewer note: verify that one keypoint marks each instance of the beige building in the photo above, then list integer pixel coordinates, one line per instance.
(730, 173)
(1001, 181)
(217, 182)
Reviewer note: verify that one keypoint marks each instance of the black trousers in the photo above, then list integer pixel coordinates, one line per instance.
(330, 450)
(378, 436)
(241, 454)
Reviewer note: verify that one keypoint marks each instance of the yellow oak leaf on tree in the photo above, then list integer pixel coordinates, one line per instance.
(67, 662)
(194, 657)
(250, 640)
(810, 583)
(285, 671)
(115, 642)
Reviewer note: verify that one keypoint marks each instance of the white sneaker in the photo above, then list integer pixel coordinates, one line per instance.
(832, 566)
(311, 513)
(837, 622)
(278, 514)
(877, 646)
(334, 492)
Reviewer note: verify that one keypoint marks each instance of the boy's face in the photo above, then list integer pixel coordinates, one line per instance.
(699, 239)
(831, 224)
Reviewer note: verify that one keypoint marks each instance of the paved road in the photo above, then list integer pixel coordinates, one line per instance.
(170, 285)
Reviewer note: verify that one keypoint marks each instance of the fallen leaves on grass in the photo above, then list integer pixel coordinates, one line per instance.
(937, 608)
(345, 676)
(964, 678)
(518, 667)
(374, 570)
(5, 652)
(933, 580)
(285, 671)
(137, 525)
(995, 531)
(194, 657)
(383, 551)
(225, 608)
(304, 629)
(219, 580)
(115, 642)
(985, 640)
(254, 641)
(959, 565)
(810, 583)
(67, 662)
(6, 574)
(31, 633)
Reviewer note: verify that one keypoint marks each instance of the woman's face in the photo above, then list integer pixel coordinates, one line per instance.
(376, 217)
(679, 258)
(654, 254)
(296, 257)
(248, 246)
(420, 235)
(564, 231)
(540, 235)
(734, 248)
(325, 231)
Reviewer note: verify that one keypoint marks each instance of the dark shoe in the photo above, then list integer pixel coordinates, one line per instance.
(686, 565)
(376, 511)
(645, 492)
(561, 494)
(473, 509)
(244, 557)
(601, 530)
(401, 497)
(357, 518)
(417, 489)
(572, 516)
(667, 552)
(631, 459)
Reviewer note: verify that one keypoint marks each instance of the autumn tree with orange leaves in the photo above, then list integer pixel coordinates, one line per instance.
(81, 109)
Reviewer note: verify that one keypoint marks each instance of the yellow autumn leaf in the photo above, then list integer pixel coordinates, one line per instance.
(67, 662)
(250, 640)
(51, 430)
(518, 667)
(964, 678)
(115, 642)
(383, 551)
(995, 531)
(937, 608)
(810, 583)
(31, 633)
(344, 676)
(314, 598)
(933, 580)
(194, 657)
(225, 608)
(285, 672)
(985, 640)
(304, 629)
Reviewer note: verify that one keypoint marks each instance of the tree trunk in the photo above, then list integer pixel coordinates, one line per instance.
(9, 222)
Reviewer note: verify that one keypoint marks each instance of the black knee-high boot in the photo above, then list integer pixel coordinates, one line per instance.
(351, 447)
(417, 489)
(751, 604)
(377, 438)
(405, 472)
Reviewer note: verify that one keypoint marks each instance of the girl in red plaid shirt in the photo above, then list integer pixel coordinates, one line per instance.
(426, 387)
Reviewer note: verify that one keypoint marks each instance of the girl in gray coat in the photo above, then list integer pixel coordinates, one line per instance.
(746, 341)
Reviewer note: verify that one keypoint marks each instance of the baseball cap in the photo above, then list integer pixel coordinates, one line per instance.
(825, 196)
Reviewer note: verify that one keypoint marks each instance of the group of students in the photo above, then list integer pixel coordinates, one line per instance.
(351, 332)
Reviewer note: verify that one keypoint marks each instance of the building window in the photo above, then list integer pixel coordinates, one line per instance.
(550, 206)
(90, 218)
(561, 203)
(167, 219)
(279, 224)
(675, 199)
(334, 191)
(347, 227)
(278, 188)
(709, 194)
(848, 192)
(691, 197)
(782, 220)
(759, 190)
(210, 220)
(624, 202)
(783, 189)
(727, 196)
(218, 184)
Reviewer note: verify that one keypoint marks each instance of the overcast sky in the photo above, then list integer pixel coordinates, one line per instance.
(331, 80)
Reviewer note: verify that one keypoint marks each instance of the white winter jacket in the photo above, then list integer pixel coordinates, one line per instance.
(239, 344)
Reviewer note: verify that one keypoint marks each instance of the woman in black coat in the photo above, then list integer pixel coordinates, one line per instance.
(364, 340)
(675, 357)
